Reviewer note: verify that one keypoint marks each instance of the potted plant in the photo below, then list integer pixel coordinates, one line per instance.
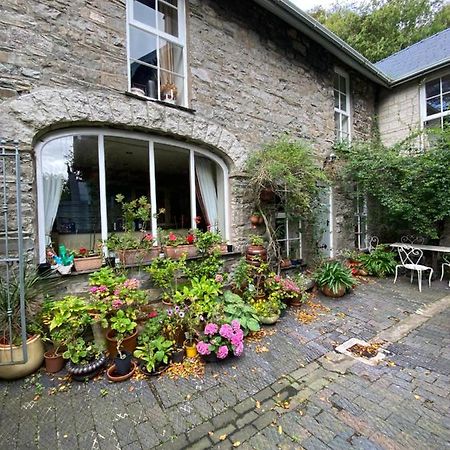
(154, 355)
(173, 329)
(123, 332)
(11, 332)
(176, 247)
(123, 367)
(268, 309)
(241, 276)
(256, 252)
(334, 279)
(86, 359)
(169, 92)
(63, 261)
(191, 331)
(256, 219)
(87, 260)
(209, 241)
(221, 340)
(235, 308)
(164, 274)
(379, 263)
(53, 358)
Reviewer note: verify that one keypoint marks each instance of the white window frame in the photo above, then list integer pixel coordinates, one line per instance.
(341, 112)
(152, 140)
(180, 41)
(360, 212)
(423, 101)
(288, 240)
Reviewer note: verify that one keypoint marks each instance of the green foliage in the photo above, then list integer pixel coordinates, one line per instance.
(164, 273)
(256, 240)
(378, 28)
(242, 274)
(206, 240)
(80, 351)
(380, 262)
(106, 277)
(138, 209)
(207, 266)
(410, 186)
(334, 275)
(154, 352)
(268, 307)
(70, 313)
(287, 167)
(236, 308)
(123, 324)
(153, 328)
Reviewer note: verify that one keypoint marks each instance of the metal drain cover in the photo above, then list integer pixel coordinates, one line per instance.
(372, 361)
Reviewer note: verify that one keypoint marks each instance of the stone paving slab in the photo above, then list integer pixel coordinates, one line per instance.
(299, 394)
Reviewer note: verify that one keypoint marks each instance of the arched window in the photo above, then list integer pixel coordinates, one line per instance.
(80, 173)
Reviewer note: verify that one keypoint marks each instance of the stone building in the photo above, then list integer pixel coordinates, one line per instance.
(166, 98)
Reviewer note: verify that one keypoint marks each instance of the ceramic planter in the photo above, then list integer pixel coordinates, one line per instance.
(136, 257)
(158, 371)
(89, 263)
(191, 350)
(255, 254)
(178, 355)
(53, 362)
(269, 320)
(81, 372)
(330, 293)
(123, 365)
(129, 343)
(35, 350)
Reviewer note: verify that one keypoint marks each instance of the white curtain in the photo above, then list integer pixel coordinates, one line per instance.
(56, 156)
(207, 185)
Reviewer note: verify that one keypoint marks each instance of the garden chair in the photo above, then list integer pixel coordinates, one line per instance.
(445, 263)
(372, 243)
(410, 258)
(411, 239)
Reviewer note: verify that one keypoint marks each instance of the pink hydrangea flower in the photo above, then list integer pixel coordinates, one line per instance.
(277, 278)
(226, 331)
(235, 324)
(116, 304)
(237, 338)
(93, 289)
(131, 283)
(102, 288)
(239, 349)
(222, 352)
(203, 348)
(218, 278)
(211, 328)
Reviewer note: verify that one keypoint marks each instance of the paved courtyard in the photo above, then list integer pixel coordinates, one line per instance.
(290, 390)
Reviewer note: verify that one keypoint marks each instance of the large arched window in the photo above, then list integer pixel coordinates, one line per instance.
(80, 173)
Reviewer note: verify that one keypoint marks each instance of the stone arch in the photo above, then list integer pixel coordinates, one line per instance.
(30, 116)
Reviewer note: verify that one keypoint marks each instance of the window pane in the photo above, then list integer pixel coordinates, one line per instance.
(432, 88)
(127, 173)
(170, 2)
(446, 84)
(342, 84)
(171, 88)
(433, 123)
(145, 12)
(345, 124)
(143, 46)
(144, 79)
(71, 192)
(433, 105)
(171, 57)
(446, 102)
(172, 187)
(336, 99)
(336, 81)
(168, 19)
(343, 102)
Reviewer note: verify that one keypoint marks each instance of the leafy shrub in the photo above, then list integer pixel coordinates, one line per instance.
(235, 308)
(334, 275)
(380, 262)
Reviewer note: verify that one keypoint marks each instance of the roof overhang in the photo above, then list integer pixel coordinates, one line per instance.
(422, 72)
(301, 21)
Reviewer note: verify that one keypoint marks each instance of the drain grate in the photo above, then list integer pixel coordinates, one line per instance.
(359, 344)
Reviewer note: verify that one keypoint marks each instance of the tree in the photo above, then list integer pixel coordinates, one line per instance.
(410, 185)
(379, 28)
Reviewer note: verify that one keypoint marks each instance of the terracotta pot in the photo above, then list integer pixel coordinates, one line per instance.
(255, 254)
(113, 376)
(256, 220)
(53, 362)
(191, 350)
(329, 293)
(297, 301)
(267, 195)
(35, 350)
(177, 252)
(89, 263)
(129, 343)
(137, 257)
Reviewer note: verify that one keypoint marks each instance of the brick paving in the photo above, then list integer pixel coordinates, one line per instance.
(298, 394)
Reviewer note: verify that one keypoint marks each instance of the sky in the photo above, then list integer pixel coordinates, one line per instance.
(306, 5)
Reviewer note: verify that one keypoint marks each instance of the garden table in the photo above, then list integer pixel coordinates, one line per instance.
(434, 249)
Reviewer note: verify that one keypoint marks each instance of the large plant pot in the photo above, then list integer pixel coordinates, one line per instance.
(255, 254)
(189, 251)
(136, 257)
(35, 350)
(129, 343)
(113, 375)
(158, 371)
(89, 263)
(82, 372)
(269, 320)
(53, 362)
(329, 293)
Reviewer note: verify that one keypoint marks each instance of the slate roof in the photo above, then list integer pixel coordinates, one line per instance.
(417, 58)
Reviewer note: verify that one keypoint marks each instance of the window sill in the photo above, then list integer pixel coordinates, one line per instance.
(159, 102)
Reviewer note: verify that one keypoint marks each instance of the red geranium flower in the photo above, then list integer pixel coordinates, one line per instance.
(190, 238)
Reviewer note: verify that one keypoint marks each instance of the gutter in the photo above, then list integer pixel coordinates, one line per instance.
(420, 73)
(317, 32)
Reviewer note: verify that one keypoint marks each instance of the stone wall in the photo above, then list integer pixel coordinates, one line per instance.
(399, 112)
(252, 78)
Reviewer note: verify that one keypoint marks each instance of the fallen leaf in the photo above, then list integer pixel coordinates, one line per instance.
(131, 389)
(222, 437)
(237, 444)
(417, 397)
(258, 404)
(211, 433)
(280, 429)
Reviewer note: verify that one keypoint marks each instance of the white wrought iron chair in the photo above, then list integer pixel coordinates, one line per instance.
(410, 258)
(372, 243)
(446, 263)
(411, 239)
